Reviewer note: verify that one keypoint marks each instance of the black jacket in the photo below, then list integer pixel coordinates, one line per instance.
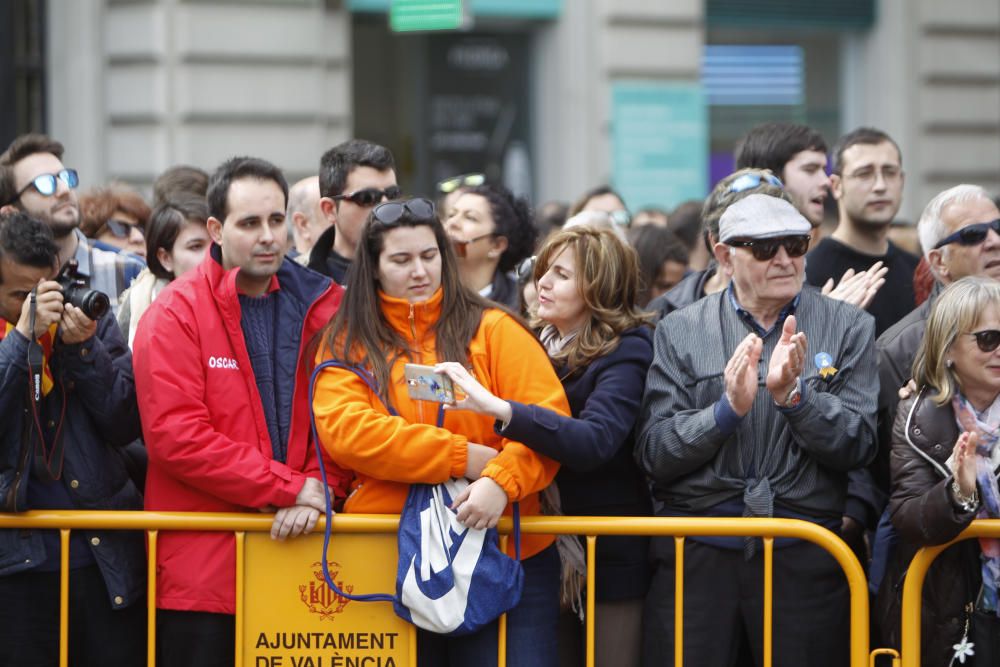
(95, 386)
(923, 514)
(599, 476)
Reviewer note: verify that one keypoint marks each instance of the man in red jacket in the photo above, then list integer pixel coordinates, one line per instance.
(221, 373)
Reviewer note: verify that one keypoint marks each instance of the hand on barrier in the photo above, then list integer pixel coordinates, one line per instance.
(293, 521)
(741, 374)
(481, 504)
(311, 495)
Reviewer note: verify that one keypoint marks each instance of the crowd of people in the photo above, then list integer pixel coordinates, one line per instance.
(729, 358)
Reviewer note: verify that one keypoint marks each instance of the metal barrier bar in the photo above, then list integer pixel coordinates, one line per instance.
(151, 541)
(502, 625)
(591, 601)
(678, 527)
(768, 598)
(240, 567)
(913, 587)
(64, 598)
(679, 601)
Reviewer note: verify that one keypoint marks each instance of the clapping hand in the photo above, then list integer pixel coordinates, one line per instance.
(741, 374)
(857, 289)
(787, 361)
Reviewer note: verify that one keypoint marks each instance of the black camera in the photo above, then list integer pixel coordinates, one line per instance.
(94, 304)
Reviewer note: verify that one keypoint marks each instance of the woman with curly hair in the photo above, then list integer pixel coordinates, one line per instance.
(492, 231)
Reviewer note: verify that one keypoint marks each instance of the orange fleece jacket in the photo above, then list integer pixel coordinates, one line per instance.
(389, 453)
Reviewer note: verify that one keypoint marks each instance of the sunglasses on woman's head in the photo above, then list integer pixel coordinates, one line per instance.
(526, 269)
(391, 211)
(449, 185)
(46, 184)
(970, 234)
(370, 196)
(987, 340)
(765, 249)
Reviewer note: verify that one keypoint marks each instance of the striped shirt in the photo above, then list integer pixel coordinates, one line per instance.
(793, 460)
(104, 270)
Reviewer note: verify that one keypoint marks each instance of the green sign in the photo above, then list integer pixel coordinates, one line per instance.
(418, 15)
(659, 142)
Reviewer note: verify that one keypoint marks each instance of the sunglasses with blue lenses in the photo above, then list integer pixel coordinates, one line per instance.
(751, 181)
(46, 184)
(970, 234)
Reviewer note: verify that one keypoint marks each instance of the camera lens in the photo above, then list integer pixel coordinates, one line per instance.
(94, 304)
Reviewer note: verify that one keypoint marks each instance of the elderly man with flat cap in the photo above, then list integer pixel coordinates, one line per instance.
(759, 401)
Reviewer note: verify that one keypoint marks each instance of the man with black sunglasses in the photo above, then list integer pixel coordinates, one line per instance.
(960, 235)
(34, 180)
(759, 401)
(353, 177)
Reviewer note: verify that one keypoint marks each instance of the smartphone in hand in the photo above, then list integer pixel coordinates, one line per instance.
(423, 384)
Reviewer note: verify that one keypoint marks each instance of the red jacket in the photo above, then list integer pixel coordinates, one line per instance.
(204, 425)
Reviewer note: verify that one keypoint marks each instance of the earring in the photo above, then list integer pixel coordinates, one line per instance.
(949, 363)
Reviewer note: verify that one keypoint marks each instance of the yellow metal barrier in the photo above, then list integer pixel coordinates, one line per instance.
(590, 527)
(913, 587)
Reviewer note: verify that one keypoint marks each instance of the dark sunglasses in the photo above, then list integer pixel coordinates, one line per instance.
(987, 340)
(121, 229)
(390, 212)
(370, 196)
(46, 184)
(765, 249)
(449, 185)
(750, 181)
(970, 234)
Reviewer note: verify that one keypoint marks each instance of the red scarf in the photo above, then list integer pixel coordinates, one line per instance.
(46, 342)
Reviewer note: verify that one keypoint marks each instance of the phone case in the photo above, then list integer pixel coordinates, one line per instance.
(423, 384)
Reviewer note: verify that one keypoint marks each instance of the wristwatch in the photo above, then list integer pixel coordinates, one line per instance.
(967, 503)
(794, 396)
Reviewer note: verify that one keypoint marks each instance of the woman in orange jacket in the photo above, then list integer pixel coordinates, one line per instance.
(406, 304)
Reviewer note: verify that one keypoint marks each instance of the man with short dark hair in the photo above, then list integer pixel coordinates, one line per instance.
(221, 370)
(759, 401)
(67, 397)
(797, 155)
(353, 177)
(34, 180)
(867, 182)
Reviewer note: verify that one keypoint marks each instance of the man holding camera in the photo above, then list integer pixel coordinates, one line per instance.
(34, 180)
(221, 365)
(67, 397)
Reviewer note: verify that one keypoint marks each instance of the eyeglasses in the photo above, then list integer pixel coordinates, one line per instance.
(987, 340)
(449, 185)
(970, 234)
(46, 184)
(750, 181)
(122, 229)
(765, 249)
(620, 217)
(525, 269)
(370, 196)
(390, 212)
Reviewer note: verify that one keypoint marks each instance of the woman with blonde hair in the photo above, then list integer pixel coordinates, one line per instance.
(944, 464)
(601, 346)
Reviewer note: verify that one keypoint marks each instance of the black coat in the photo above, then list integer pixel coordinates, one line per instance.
(599, 476)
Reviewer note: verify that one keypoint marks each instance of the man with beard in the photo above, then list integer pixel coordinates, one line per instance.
(867, 182)
(34, 180)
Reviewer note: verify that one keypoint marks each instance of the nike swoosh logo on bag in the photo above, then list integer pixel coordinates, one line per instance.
(447, 612)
